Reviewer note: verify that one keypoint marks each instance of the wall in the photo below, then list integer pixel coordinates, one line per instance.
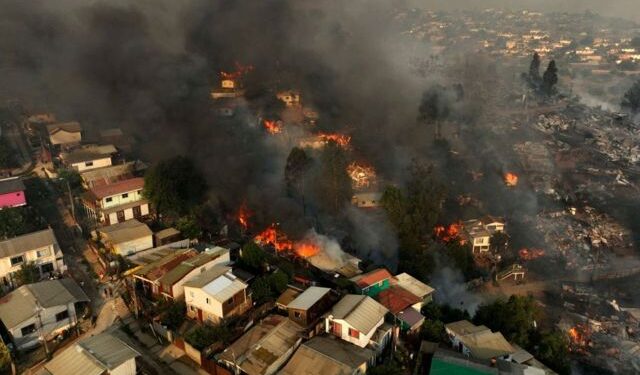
(364, 338)
(177, 291)
(49, 326)
(133, 246)
(14, 199)
(128, 214)
(373, 290)
(119, 199)
(30, 256)
(97, 163)
(127, 368)
(197, 298)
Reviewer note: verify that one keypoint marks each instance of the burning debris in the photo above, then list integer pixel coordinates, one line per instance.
(530, 254)
(362, 176)
(510, 179)
(273, 126)
(452, 232)
(277, 239)
(342, 140)
(243, 216)
(239, 72)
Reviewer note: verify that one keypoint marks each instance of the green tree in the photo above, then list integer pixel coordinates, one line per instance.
(333, 182)
(462, 257)
(27, 274)
(7, 155)
(534, 69)
(552, 349)
(189, 227)
(498, 242)
(72, 177)
(174, 315)
(550, 78)
(205, 335)
(5, 357)
(388, 368)
(514, 318)
(631, 99)
(261, 290)
(253, 256)
(14, 222)
(174, 186)
(433, 330)
(298, 163)
(278, 281)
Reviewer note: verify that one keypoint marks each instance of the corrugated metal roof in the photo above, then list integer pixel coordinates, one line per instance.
(372, 277)
(482, 343)
(88, 153)
(254, 357)
(92, 356)
(189, 265)
(159, 267)
(327, 356)
(28, 242)
(218, 282)
(361, 312)
(119, 187)
(397, 299)
(11, 185)
(413, 285)
(125, 231)
(20, 304)
(287, 296)
(308, 298)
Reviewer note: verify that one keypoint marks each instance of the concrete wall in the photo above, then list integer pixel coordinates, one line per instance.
(93, 164)
(120, 199)
(131, 247)
(364, 338)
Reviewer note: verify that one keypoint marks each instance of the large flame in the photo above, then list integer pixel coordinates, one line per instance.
(450, 233)
(361, 175)
(511, 179)
(341, 139)
(306, 249)
(530, 254)
(273, 126)
(271, 236)
(243, 216)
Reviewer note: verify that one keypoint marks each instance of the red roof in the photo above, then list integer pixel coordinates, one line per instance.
(397, 299)
(118, 187)
(373, 277)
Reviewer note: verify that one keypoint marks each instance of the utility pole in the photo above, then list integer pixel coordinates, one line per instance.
(40, 334)
(73, 207)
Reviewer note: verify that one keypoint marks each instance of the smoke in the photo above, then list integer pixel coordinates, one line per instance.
(373, 236)
(452, 290)
(330, 257)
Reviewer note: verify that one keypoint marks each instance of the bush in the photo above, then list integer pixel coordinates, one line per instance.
(206, 335)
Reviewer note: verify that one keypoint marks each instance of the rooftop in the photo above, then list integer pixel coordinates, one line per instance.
(413, 285)
(481, 342)
(397, 299)
(20, 304)
(361, 312)
(70, 127)
(11, 185)
(125, 231)
(28, 242)
(308, 298)
(119, 187)
(159, 267)
(371, 278)
(88, 153)
(287, 296)
(109, 175)
(218, 282)
(178, 273)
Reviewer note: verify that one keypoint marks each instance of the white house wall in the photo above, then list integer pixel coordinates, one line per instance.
(198, 298)
(98, 163)
(49, 326)
(133, 246)
(127, 368)
(364, 338)
(31, 256)
(177, 290)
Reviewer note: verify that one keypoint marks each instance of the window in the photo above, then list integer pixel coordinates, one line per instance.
(208, 302)
(108, 200)
(42, 253)
(230, 301)
(62, 315)
(28, 329)
(17, 260)
(354, 333)
(297, 314)
(46, 268)
(125, 195)
(88, 164)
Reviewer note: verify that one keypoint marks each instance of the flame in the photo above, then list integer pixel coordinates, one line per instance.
(511, 179)
(240, 71)
(530, 254)
(574, 334)
(273, 126)
(361, 175)
(270, 236)
(341, 139)
(243, 216)
(306, 249)
(579, 335)
(450, 233)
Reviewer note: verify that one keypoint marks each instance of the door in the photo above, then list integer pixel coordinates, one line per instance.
(120, 216)
(137, 212)
(200, 314)
(337, 329)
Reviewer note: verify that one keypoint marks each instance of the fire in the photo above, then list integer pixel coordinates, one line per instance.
(243, 216)
(450, 233)
(361, 175)
(341, 139)
(511, 179)
(306, 249)
(579, 336)
(574, 335)
(240, 71)
(530, 254)
(270, 236)
(273, 126)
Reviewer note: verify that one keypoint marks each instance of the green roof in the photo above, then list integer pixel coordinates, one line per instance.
(442, 367)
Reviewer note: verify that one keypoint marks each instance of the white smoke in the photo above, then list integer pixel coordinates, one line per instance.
(331, 256)
(452, 290)
(374, 237)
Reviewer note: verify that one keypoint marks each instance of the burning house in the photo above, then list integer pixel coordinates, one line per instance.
(478, 232)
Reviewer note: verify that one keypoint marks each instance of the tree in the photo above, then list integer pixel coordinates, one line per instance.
(462, 257)
(72, 177)
(298, 163)
(333, 182)
(174, 186)
(253, 256)
(513, 317)
(28, 273)
(5, 357)
(434, 107)
(7, 155)
(631, 99)
(13, 222)
(188, 226)
(278, 281)
(534, 69)
(205, 335)
(174, 315)
(388, 368)
(552, 349)
(498, 242)
(261, 290)
(433, 330)
(550, 78)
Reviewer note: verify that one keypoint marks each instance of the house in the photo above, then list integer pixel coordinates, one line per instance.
(149, 274)
(127, 237)
(102, 354)
(265, 348)
(416, 287)
(287, 297)
(216, 294)
(172, 282)
(41, 309)
(309, 306)
(373, 282)
(291, 98)
(477, 341)
(40, 248)
(327, 355)
(446, 362)
(166, 236)
(400, 302)
(366, 199)
(355, 318)
(478, 232)
(12, 193)
(88, 157)
(66, 134)
(117, 202)
(108, 175)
